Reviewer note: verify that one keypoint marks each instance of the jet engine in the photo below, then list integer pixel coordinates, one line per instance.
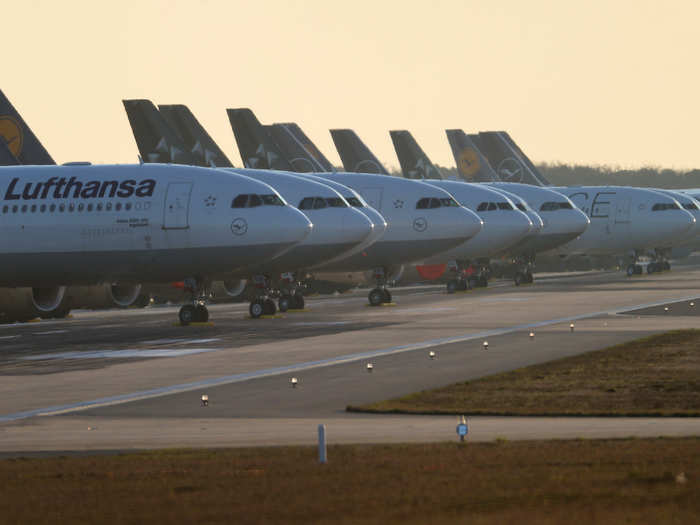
(232, 288)
(23, 304)
(104, 295)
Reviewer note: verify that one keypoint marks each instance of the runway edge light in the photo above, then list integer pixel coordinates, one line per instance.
(485, 345)
(205, 400)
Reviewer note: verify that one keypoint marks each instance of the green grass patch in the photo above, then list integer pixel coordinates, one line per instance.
(577, 481)
(653, 376)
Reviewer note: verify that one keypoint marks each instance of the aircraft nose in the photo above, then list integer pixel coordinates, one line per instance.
(471, 223)
(523, 225)
(356, 226)
(580, 220)
(295, 227)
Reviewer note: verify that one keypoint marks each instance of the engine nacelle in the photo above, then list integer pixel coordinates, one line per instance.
(23, 304)
(231, 288)
(104, 295)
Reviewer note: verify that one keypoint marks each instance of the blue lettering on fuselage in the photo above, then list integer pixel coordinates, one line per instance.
(60, 188)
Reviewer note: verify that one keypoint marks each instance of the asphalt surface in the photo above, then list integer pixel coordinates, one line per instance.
(132, 379)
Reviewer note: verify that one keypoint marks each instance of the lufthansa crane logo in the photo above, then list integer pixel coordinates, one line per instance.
(510, 170)
(12, 134)
(239, 226)
(468, 163)
(420, 224)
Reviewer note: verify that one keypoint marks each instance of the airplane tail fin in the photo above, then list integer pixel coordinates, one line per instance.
(298, 149)
(7, 158)
(156, 140)
(415, 164)
(354, 154)
(202, 148)
(294, 152)
(472, 166)
(20, 140)
(509, 161)
(255, 145)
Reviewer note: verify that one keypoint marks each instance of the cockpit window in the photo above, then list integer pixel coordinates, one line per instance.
(554, 206)
(251, 200)
(492, 206)
(354, 202)
(504, 206)
(423, 204)
(482, 207)
(320, 203)
(271, 200)
(663, 206)
(520, 206)
(316, 203)
(565, 206)
(336, 202)
(448, 202)
(690, 206)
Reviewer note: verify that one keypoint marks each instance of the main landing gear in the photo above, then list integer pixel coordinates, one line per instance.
(659, 262)
(196, 311)
(467, 276)
(379, 295)
(523, 270)
(288, 299)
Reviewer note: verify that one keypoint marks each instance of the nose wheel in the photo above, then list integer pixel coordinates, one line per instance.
(195, 312)
(262, 306)
(191, 313)
(379, 296)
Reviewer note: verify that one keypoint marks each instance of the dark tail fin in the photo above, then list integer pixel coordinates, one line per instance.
(299, 134)
(415, 164)
(7, 158)
(355, 155)
(21, 142)
(156, 140)
(204, 151)
(472, 165)
(294, 150)
(508, 160)
(255, 145)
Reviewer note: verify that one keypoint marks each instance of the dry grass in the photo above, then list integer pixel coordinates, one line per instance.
(655, 376)
(578, 481)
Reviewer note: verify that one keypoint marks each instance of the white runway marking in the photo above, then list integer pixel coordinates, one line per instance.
(297, 367)
(425, 310)
(121, 354)
(4, 337)
(50, 332)
(321, 323)
(179, 341)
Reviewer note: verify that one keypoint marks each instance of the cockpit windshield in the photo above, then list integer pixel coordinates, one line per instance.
(354, 202)
(554, 206)
(433, 202)
(252, 200)
(664, 206)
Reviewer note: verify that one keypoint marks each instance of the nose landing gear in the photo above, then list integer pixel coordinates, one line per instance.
(379, 295)
(523, 270)
(196, 311)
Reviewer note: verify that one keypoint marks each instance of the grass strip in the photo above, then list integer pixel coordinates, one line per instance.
(575, 481)
(654, 376)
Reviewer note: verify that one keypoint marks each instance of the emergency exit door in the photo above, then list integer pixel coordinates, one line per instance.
(177, 206)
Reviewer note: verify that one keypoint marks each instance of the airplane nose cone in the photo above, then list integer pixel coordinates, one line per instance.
(580, 221)
(536, 221)
(356, 226)
(296, 226)
(471, 222)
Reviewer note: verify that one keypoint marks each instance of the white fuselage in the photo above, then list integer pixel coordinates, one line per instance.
(625, 219)
(83, 224)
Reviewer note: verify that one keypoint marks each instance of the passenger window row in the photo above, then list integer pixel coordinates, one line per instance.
(70, 207)
(251, 200)
(433, 202)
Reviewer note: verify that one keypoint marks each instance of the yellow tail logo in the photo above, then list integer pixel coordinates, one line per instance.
(12, 133)
(468, 163)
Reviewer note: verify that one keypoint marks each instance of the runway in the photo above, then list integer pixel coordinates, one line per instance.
(136, 380)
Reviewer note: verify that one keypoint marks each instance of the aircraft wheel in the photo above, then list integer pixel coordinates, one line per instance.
(630, 270)
(298, 301)
(483, 281)
(270, 307)
(518, 279)
(142, 301)
(257, 308)
(529, 278)
(376, 297)
(201, 313)
(284, 302)
(666, 266)
(452, 286)
(638, 269)
(387, 296)
(187, 314)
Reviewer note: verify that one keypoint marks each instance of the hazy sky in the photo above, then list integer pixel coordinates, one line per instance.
(602, 82)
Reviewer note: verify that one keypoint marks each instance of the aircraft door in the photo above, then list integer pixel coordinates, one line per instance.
(373, 196)
(177, 206)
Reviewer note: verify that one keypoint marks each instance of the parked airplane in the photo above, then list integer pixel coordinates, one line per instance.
(339, 228)
(421, 220)
(84, 224)
(623, 219)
